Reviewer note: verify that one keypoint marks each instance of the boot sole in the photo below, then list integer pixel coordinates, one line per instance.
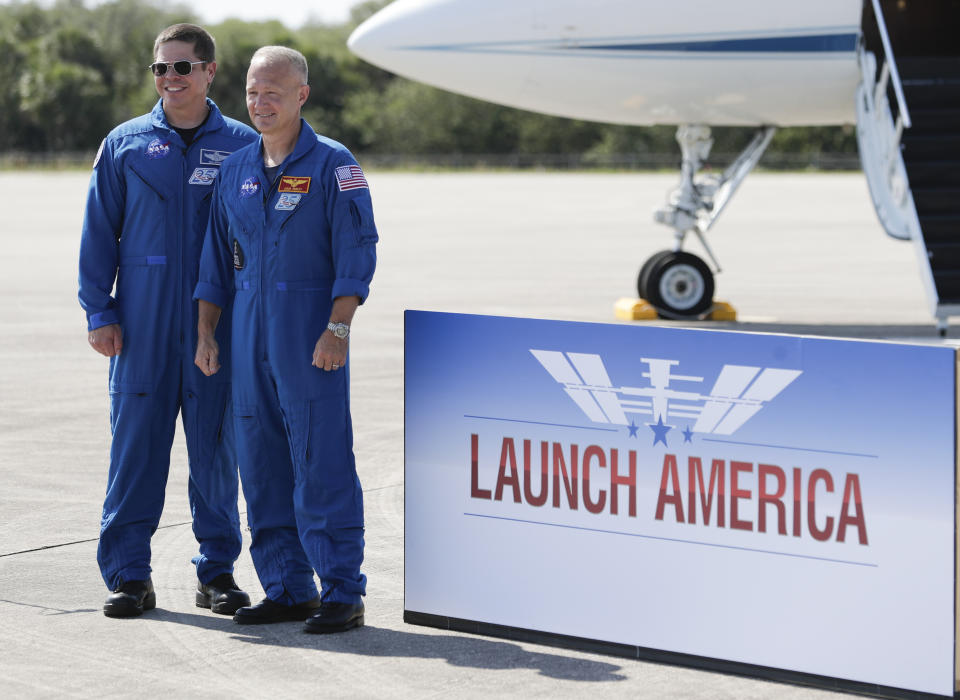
(333, 629)
(149, 603)
(253, 620)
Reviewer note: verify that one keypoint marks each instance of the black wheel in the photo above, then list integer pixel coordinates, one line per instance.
(679, 284)
(642, 291)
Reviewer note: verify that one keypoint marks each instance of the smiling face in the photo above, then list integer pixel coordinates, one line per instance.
(275, 94)
(184, 96)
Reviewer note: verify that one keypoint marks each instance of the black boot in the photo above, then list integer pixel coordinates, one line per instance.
(268, 611)
(334, 617)
(222, 595)
(130, 599)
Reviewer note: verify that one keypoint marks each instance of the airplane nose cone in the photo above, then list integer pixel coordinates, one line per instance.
(386, 36)
(458, 45)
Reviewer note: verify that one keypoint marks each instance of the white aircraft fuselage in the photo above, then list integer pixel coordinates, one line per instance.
(640, 62)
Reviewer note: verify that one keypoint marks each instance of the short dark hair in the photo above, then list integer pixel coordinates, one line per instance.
(203, 44)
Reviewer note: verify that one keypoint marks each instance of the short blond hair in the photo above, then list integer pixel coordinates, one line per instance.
(274, 55)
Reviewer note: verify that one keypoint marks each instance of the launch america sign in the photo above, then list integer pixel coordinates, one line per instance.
(779, 501)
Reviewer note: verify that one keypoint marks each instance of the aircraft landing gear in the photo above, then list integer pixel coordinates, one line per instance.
(676, 283)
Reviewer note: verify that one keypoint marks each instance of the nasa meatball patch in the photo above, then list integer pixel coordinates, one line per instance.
(157, 149)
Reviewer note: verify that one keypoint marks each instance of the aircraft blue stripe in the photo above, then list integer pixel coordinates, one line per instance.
(815, 43)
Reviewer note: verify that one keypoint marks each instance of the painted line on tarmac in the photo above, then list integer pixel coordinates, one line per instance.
(163, 527)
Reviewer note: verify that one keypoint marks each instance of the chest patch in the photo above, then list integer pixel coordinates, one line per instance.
(298, 185)
(237, 255)
(158, 149)
(249, 187)
(203, 176)
(209, 156)
(287, 201)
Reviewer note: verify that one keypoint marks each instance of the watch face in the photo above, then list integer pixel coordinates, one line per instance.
(341, 330)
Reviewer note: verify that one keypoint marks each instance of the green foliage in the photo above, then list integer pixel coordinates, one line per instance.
(70, 73)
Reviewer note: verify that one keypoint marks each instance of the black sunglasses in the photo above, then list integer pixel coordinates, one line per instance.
(181, 67)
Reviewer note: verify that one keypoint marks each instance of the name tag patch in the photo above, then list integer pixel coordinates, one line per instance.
(203, 176)
(299, 185)
(287, 201)
(209, 156)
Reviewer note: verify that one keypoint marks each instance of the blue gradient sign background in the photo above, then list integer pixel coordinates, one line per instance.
(851, 576)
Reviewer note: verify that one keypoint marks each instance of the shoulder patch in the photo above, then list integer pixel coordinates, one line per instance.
(350, 177)
(96, 161)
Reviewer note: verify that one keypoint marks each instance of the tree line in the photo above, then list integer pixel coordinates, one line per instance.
(70, 73)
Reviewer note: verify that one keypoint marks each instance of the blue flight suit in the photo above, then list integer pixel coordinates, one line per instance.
(282, 252)
(146, 215)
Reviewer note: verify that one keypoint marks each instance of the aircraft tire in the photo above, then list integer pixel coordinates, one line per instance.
(679, 285)
(642, 278)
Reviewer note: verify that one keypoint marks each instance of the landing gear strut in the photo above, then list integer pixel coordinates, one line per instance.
(677, 283)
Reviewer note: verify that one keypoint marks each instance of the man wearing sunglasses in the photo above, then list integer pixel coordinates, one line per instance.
(145, 217)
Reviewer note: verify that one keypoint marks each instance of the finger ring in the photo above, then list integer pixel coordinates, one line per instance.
(335, 366)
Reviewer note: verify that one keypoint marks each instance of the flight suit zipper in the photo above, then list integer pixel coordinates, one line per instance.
(267, 193)
(180, 242)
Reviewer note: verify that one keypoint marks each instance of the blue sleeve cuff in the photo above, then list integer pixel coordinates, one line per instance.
(104, 318)
(351, 288)
(214, 295)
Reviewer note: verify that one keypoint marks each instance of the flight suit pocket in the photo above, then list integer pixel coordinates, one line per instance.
(143, 300)
(145, 217)
(331, 482)
(329, 440)
(249, 438)
(361, 213)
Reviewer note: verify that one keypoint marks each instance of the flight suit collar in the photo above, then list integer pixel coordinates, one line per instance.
(213, 122)
(306, 141)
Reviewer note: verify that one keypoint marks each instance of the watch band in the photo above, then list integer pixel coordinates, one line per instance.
(341, 330)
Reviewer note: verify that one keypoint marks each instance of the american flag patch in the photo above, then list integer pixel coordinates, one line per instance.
(350, 177)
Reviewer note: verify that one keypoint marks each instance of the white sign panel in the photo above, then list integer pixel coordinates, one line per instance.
(772, 500)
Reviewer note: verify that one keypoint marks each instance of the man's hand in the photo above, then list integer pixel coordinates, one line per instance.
(107, 340)
(330, 353)
(208, 352)
(208, 355)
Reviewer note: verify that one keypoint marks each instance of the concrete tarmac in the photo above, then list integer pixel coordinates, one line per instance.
(801, 253)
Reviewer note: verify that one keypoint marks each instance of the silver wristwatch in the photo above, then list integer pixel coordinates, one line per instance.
(341, 330)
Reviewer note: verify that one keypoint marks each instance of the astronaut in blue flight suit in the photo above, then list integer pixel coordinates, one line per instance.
(291, 244)
(146, 215)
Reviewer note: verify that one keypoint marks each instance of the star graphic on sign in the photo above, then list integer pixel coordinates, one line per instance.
(660, 431)
(633, 428)
(688, 435)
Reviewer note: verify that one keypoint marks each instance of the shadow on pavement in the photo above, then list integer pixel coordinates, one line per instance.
(457, 650)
